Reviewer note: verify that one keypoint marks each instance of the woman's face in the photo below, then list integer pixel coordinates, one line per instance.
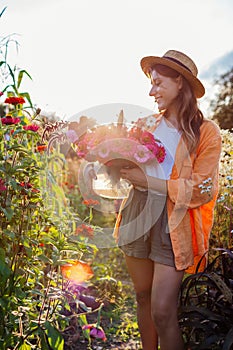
(164, 89)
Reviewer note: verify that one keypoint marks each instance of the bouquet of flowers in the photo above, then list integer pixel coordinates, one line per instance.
(118, 141)
(119, 145)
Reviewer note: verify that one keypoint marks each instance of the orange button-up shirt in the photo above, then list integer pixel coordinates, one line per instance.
(190, 209)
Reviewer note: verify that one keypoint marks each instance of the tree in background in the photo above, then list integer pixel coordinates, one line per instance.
(222, 104)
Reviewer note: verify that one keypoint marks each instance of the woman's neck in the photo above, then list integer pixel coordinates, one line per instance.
(171, 117)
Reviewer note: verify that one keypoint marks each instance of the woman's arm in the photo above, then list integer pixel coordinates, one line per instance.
(138, 178)
(185, 190)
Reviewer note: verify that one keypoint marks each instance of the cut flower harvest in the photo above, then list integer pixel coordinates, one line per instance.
(107, 142)
(119, 145)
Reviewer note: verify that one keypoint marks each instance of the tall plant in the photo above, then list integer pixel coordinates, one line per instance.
(36, 227)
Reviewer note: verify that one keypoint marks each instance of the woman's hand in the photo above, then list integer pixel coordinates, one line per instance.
(136, 176)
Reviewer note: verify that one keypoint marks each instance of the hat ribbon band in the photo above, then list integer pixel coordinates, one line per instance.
(178, 62)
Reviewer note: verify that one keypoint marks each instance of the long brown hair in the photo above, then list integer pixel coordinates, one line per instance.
(189, 115)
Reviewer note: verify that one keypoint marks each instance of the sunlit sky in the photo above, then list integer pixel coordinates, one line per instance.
(83, 53)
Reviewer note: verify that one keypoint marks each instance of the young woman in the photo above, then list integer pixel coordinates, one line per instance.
(163, 227)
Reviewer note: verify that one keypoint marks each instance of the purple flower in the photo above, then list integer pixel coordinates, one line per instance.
(96, 332)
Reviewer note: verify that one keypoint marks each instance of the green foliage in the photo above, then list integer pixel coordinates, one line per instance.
(36, 229)
(222, 104)
(221, 235)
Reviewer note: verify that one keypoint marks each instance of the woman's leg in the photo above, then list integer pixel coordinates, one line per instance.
(141, 272)
(165, 292)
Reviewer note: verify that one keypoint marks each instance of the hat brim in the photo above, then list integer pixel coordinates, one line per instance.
(150, 61)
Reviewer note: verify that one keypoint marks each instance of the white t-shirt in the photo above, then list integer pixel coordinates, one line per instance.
(170, 137)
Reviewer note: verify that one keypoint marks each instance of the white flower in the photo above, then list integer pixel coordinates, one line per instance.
(150, 121)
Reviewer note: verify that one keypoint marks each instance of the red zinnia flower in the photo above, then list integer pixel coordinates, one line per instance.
(15, 100)
(2, 185)
(161, 154)
(32, 127)
(41, 148)
(28, 186)
(90, 202)
(85, 230)
(8, 120)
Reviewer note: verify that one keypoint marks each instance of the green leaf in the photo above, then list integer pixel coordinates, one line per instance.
(20, 77)
(25, 346)
(83, 322)
(27, 96)
(8, 212)
(2, 254)
(55, 338)
(43, 339)
(44, 258)
(12, 75)
(5, 271)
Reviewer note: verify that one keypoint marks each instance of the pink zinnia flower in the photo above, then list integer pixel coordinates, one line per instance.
(31, 127)
(153, 148)
(142, 155)
(147, 138)
(8, 120)
(103, 150)
(127, 148)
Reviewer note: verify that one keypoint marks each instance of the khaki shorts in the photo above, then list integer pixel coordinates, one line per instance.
(143, 231)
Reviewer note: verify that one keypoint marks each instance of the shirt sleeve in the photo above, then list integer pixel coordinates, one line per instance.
(197, 182)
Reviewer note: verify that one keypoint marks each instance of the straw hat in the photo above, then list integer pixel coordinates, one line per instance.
(179, 62)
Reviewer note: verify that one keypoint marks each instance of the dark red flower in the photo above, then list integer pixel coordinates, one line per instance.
(28, 186)
(31, 127)
(2, 185)
(8, 120)
(15, 100)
